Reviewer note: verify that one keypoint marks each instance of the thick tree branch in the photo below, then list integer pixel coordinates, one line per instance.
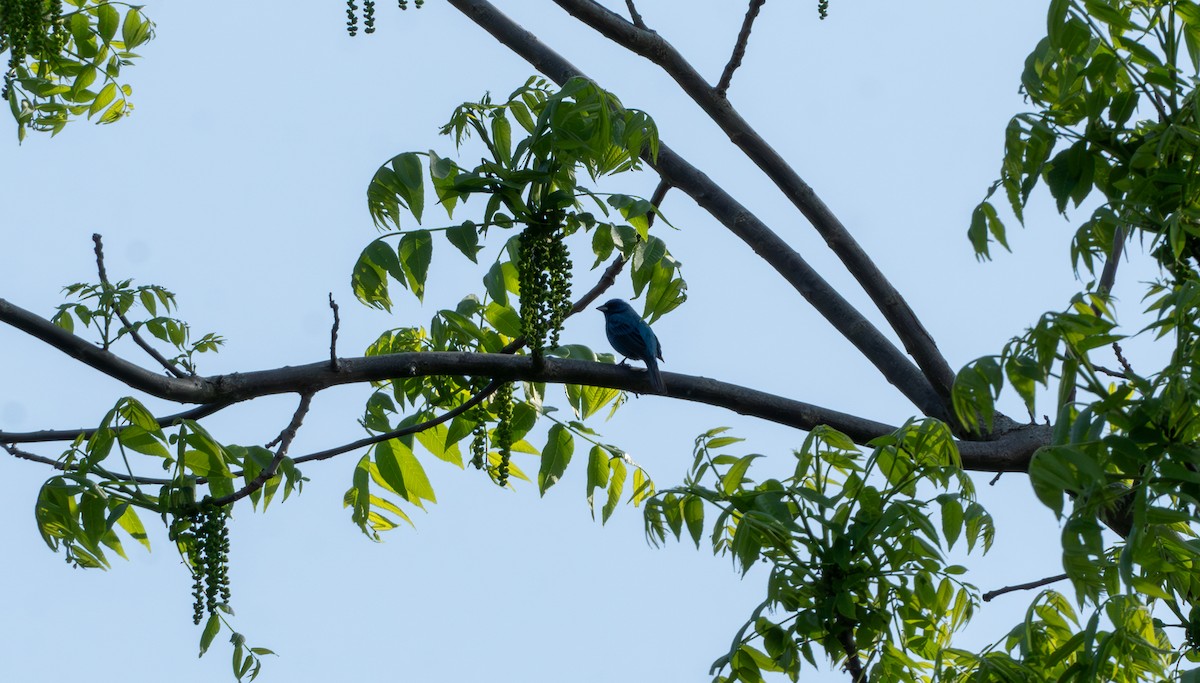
(1009, 452)
(739, 49)
(137, 338)
(917, 341)
(895, 367)
(188, 389)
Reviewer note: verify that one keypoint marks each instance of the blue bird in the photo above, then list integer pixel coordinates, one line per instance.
(631, 337)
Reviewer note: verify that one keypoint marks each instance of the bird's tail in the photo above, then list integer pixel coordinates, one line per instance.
(656, 379)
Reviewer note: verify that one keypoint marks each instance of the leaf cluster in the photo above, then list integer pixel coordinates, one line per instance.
(855, 547)
(525, 182)
(497, 428)
(56, 57)
(105, 307)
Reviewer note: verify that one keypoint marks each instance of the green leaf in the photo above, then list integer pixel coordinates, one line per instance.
(412, 185)
(436, 440)
(254, 460)
(597, 474)
(643, 487)
(83, 79)
(616, 486)
(132, 525)
(588, 400)
(521, 113)
(555, 457)
(667, 292)
(952, 520)
(746, 546)
(693, 515)
(134, 31)
(402, 472)
(502, 138)
(443, 173)
(369, 282)
(93, 513)
(504, 319)
(736, 475)
(465, 238)
(137, 438)
(974, 394)
(108, 18)
(1069, 175)
(80, 27)
(500, 280)
(359, 496)
(211, 628)
(416, 252)
(647, 256)
(985, 222)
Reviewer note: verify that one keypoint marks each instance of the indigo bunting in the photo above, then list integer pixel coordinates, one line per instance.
(631, 337)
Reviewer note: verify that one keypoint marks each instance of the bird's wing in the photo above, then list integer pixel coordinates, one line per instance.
(626, 337)
(653, 340)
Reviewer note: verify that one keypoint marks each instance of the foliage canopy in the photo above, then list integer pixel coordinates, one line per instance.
(856, 539)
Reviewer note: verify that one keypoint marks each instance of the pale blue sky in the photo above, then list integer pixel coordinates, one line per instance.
(239, 183)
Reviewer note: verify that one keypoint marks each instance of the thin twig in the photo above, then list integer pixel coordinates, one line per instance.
(1123, 361)
(987, 597)
(633, 14)
(739, 49)
(285, 441)
(995, 479)
(62, 466)
(333, 333)
(476, 398)
(137, 338)
(656, 199)
(47, 435)
(1108, 276)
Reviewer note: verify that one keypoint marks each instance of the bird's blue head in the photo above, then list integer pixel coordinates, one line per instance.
(615, 306)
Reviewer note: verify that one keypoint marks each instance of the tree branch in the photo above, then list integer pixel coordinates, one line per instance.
(333, 332)
(46, 435)
(917, 341)
(137, 338)
(476, 398)
(1010, 451)
(285, 442)
(634, 16)
(739, 48)
(987, 597)
(895, 367)
(1108, 276)
(61, 466)
(189, 389)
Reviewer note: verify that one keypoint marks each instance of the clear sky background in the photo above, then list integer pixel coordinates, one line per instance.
(239, 183)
